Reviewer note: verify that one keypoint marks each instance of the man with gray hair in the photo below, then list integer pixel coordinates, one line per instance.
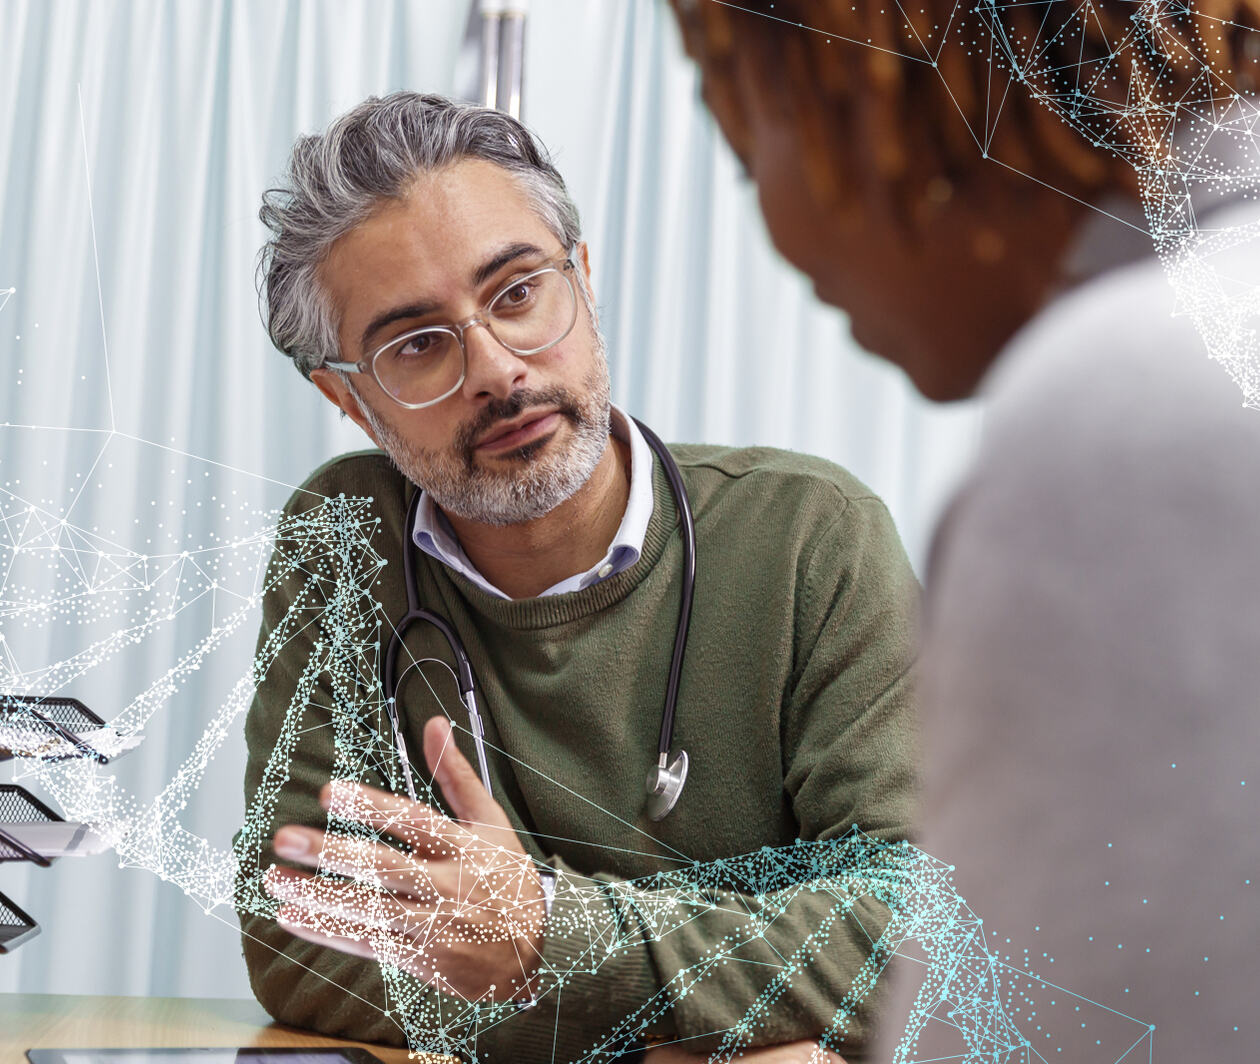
(426, 272)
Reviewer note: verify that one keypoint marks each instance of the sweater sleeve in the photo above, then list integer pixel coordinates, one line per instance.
(777, 946)
(303, 699)
(291, 753)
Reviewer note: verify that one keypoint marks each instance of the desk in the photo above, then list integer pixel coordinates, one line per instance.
(54, 1021)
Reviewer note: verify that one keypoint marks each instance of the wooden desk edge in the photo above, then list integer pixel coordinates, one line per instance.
(53, 1021)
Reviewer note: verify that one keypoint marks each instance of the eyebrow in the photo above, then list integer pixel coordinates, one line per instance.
(481, 275)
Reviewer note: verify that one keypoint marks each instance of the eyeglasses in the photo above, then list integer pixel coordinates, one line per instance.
(527, 316)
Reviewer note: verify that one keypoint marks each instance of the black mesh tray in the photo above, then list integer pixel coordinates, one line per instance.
(15, 926)
(62, 718)
(19, 806)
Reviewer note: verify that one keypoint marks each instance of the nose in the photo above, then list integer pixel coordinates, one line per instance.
(491, 370)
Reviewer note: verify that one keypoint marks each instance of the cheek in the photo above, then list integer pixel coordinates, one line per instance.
(431, 429)
(787, 214)
(568, 363)
(824, 241)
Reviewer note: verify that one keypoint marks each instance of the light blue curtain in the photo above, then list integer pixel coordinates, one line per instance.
(143, 412)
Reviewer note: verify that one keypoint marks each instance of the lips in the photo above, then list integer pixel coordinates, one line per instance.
(519, 431)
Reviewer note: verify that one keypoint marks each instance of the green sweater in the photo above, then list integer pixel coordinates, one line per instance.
(794, 708)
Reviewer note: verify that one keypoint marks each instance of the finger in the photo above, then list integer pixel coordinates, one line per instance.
(497, 885)
(331, 907)
(299, 844)
(493, 854)
(477, 873)
(298, 923)
(469, 800)
(419, 825)
(447, 861)
(333, 904)
(359, 940)
(364, 942)
(364, 860)
(342, 916)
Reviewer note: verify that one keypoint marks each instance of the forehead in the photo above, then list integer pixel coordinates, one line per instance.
(427, 245)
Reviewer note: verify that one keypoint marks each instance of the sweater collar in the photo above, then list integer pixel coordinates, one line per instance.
(433, 533)
(551, 610)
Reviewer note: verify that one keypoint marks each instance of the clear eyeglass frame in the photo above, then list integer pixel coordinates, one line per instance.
(367, 365)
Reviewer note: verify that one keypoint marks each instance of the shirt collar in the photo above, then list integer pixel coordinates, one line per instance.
(433, 534)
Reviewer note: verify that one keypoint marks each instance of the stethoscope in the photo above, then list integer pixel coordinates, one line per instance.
(665, 781)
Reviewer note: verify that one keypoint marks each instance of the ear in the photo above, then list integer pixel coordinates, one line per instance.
(584, 260)
(338, 392)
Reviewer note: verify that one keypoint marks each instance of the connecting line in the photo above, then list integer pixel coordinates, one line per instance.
(6, 294)
(648, 909)
(834, 36)
(219, 465)
(964, 974)
(100, 295)
(88, 479)
(681, 857)
(298, 964)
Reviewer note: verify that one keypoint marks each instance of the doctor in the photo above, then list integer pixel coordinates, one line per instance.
(426, 272)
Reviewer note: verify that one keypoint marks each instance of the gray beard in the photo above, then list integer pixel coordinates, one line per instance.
(540, 480)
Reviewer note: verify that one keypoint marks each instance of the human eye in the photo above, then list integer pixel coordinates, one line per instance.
(518, 296)
(417, 346)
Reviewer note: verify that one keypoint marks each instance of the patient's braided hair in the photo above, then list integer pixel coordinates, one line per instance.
(927, 88)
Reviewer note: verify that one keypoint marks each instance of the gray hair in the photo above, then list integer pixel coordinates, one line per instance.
(368, 155)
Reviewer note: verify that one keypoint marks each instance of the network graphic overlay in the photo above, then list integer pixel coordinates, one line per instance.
(322, 562)
(1143, 81)
(977, 1002)
(1192, 147)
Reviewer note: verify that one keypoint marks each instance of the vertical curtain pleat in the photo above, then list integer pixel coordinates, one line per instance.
(188, 112)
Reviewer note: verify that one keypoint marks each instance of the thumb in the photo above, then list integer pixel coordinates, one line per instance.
(469, 800)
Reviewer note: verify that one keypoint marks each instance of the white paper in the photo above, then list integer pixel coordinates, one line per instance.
(56, 838)
(24, 740)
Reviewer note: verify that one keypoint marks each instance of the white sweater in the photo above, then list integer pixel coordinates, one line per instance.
(1093, 620)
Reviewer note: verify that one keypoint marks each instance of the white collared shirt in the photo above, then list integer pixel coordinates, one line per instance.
(433, 533)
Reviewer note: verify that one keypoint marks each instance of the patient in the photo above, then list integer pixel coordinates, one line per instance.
(1090, 664)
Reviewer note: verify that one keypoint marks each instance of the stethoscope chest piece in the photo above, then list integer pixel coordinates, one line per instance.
(665, 784)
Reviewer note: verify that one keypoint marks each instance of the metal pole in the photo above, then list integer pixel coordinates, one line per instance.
(503, 54)
(512, 57)
(489, 71)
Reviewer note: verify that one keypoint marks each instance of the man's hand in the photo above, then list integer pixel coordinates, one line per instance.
(805, 1052)
(462, 908)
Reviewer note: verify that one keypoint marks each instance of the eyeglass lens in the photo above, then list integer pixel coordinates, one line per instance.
(526, 317)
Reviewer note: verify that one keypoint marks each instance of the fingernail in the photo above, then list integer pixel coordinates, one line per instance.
(292, 844)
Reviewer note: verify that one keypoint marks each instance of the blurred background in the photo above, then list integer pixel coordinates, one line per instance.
(145, 419)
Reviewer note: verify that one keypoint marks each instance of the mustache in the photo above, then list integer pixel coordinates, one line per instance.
(513, 406)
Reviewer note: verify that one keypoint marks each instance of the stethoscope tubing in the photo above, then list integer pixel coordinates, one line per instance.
(688, 525)
(391, 678)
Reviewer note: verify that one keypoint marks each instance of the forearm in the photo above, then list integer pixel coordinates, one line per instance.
(805, 1051)
(687, 958)
(319, 989)
(314, 987)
